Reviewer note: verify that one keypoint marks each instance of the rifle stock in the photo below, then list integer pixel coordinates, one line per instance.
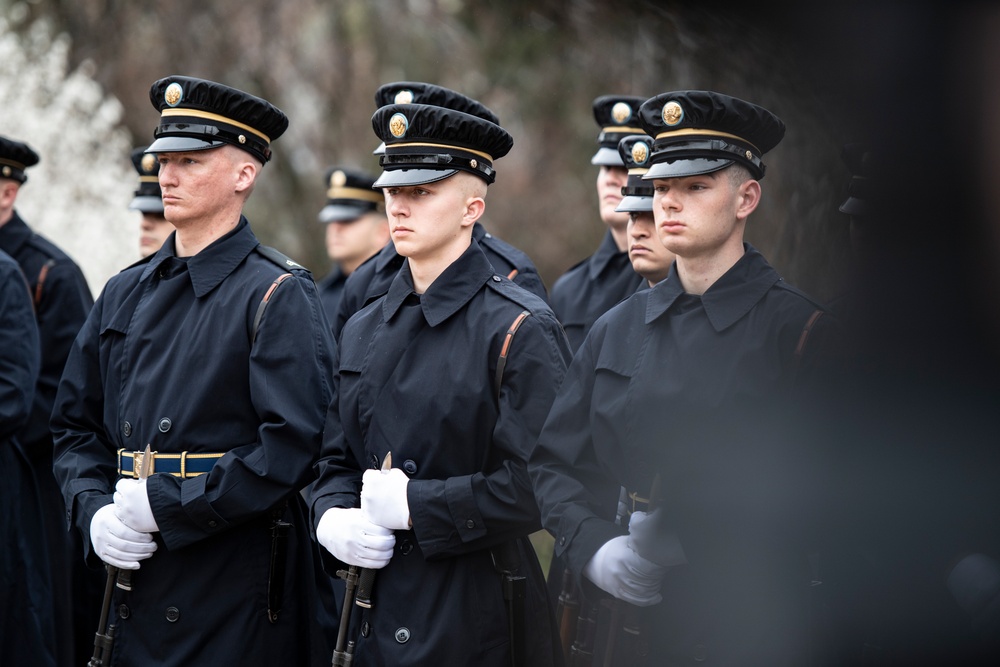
(343, 653)
(104, 638)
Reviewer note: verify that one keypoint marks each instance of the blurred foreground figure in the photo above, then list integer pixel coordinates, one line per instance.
(674, 396)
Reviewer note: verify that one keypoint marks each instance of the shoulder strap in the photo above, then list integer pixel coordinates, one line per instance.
(804, 336)
(263, 304)
(42, 275)
(505, 349)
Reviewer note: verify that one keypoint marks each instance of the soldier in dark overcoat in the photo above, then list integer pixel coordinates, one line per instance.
(25, 631)
(212, 351)
(683, 394)
(68, 596)
(372, 278)
(452, 372)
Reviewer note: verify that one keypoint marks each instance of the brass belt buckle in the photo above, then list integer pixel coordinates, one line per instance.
(140, 466)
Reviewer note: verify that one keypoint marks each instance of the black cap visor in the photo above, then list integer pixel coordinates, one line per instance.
(401, 178)
(180, 144)
(147, 204)
(681, 168)
(342, 213)
(607, 157)
(635, 204)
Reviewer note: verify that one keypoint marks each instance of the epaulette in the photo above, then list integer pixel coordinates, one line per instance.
(795, 290)
(516, 256)
(514, 292)
(282, 260)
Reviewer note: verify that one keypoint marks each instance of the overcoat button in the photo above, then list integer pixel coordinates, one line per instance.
(562, 540)
(365, 629)
(164, 425)
(700, 653)
(173, 613)
(212, 523)
(470, 524)
(497, 279)
(406, 547)
(123, 611)
(410, 467)
(127, 429)
(403, 635)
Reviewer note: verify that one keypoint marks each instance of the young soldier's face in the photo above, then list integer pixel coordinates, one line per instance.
(649, 257)
(697, 215)
(610, 181)
(428, 221)
(351, 242)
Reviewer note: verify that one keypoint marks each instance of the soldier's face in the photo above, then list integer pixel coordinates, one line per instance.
(610, 181)
(649, 257)
(427, 221)
(350, 242)
(697, 215)
(153, 231)
(197, 185)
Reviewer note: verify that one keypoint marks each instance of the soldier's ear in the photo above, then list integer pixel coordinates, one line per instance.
(474, 209)
(749, 198)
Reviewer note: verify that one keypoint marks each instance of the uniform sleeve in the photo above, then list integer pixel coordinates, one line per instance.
(18, 351)
(290, 388)
(473, 512)
(573, 489)
(83, 458)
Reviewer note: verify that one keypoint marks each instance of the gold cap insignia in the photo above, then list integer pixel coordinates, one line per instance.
(6, 171)
(672, 113)
(398, 125)
(749, 155)
(338, 179)
(473, 163)
(621, 112)
(404, 97)
(242, 139)
(640, 152)
(148, 162)
(173, 94)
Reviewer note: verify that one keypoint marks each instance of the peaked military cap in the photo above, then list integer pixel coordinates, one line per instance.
(860, 159)
(424, 144)
(148, 197)
(15, 157)
(349, 195)
(415, 92)
(196, 114)
(699, 131)
(617, 116)
(637, 195)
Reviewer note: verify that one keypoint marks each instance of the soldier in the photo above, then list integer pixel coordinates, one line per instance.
(433, 374)
(588, 289)
(25, 639)
(670, 397)
(213, 352)
(649, 257)
(154, 228)
(356, 229)
(373, 277)
(61, 300)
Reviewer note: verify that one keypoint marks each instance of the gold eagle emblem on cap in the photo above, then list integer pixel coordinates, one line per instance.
(338, 179)
(672, 113)
(148, 162)
(173, 94)
(6, 171)
(621, 112)
(640, 152)
(398, 125)
(404, 97)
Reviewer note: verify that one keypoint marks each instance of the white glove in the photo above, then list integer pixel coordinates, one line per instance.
(647, 536)
(132, 504)
(625, 574)
(353, 539)
(383, 498)
(117, 544)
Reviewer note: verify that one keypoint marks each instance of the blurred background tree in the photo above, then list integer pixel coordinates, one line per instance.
(538, 64)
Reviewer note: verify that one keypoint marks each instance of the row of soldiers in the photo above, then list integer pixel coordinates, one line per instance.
(276, 471)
